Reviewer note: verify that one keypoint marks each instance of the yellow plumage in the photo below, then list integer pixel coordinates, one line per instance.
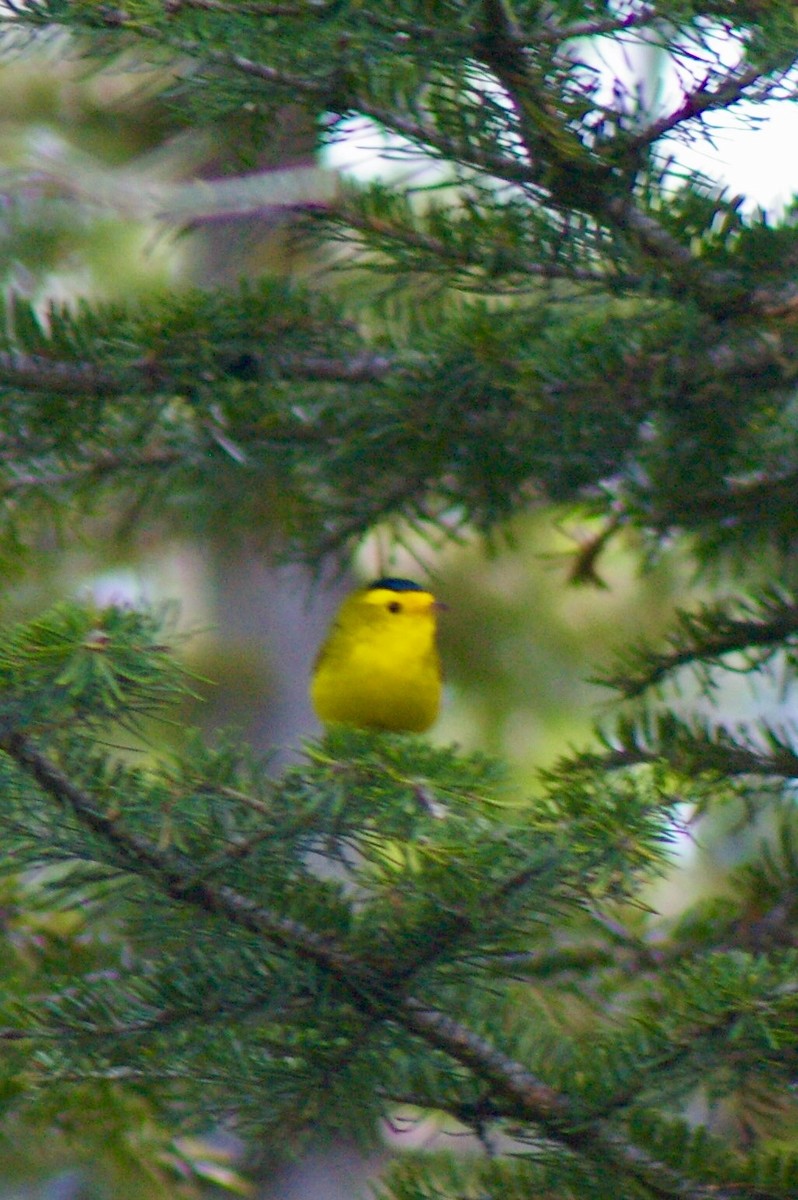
(378, 667)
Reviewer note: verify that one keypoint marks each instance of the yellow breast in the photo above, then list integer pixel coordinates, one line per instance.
(379, 666)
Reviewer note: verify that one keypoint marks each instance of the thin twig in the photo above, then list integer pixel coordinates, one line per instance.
(702, 99)
(598, 27)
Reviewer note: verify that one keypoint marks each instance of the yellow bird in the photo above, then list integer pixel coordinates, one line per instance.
(378, 667)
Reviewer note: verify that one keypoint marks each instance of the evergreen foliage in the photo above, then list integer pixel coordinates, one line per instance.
(556, 314)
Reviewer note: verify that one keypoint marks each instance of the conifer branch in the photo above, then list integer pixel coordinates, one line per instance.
(392, 233)
(36, 373)
(722, 94)
(99, 466)
(179, 879)
(530, 1099)
(535, 1100)
(172, 874)
(692, 749)
(704, 638)
(557, 159)
(575, 178)
(357, 368)
(427, 136)
(327, 95)
(198, 1012)
(32, 372)
(600, 26)
(716, 291)
(559, 168)
(250, 8)
(285, 80)
(739, 501)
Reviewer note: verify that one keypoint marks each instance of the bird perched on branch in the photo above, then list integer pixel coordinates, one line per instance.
(378, 667)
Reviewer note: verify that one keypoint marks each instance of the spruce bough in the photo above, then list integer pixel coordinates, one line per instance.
(570, 323)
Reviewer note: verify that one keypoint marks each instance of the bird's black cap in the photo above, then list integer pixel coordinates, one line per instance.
(392, 584)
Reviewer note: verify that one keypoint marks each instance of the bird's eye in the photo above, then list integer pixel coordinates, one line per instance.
(394, 606)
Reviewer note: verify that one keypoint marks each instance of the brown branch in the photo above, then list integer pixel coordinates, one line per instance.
(222, 58)
(177, 877)
(529, 1097)
(718, 292)
(651, 236)
(104, 464)
(461, 256)
(735, 636)
(324, 93)
(598, 27)
(248, 8)
(536, 1100)
(34, 372)
(359, 368)
(726, 92)
(37, 373)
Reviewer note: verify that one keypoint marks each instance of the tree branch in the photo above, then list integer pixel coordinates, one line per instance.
(688, 752)
(223, 58)
(460, 255)
(599, 26)
(33, 372)
(708, 646)
(324, 93)
(726, 92)
(173, 874)
(103, 464)
(738, 501)
(250, 8)
(358, 368)
(530, 1098)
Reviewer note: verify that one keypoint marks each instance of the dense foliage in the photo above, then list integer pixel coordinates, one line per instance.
(546, 310)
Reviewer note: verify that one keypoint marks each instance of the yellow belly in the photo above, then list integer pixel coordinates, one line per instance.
(372, 690)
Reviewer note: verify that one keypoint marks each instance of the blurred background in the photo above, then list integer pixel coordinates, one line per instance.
(106, 192)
